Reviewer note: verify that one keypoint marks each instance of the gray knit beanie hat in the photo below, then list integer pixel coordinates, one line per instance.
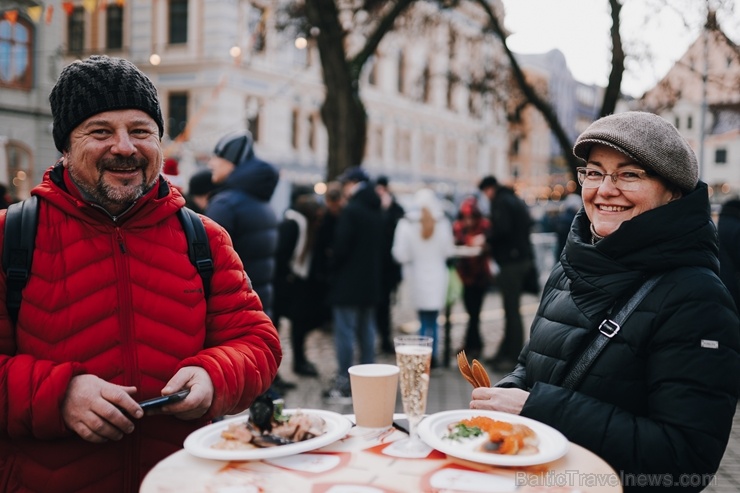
(236, 147)
(97, 84)
(648, 139)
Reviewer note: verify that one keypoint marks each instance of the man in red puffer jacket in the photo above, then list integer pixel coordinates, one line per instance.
(114, 311)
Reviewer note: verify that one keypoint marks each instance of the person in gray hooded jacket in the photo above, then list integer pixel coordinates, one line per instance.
(658, 403)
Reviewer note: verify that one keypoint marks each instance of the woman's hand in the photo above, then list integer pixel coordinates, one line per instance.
(499, 399)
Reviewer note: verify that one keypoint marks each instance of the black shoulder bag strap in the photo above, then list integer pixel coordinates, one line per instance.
(19, 241)
(608, 329)
(199, 249)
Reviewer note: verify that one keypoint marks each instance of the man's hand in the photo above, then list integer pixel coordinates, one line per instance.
(499, 399)
(198, 401)
(94, 409)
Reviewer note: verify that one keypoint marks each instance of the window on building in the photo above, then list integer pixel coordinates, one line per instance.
(313, 124)
(403, 146)
(720, 156)
(690, 122)
(256, 28)
(427, 152)
(475, 104)
(178, 22)
(401, 73)
(372, 77)
(295, 129)
(16, 52)
(515, 146)
(178, 117)
(20, 171)
(450, 93)
(253, 108)
(114, 27)
(377, 143)
(426, 89)
(451, 154)
(472, 156)
(76, 31)
(677, 122)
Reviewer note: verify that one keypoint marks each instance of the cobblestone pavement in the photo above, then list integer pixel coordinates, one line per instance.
(447, 389)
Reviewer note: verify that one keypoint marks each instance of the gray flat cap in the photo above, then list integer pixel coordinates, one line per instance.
(648, 139)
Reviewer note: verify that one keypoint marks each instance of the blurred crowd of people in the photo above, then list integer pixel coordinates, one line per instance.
(334, 261)
(340, 257)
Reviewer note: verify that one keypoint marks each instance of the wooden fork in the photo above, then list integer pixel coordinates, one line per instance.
(480, 374)
(467, 372)
(477, 375)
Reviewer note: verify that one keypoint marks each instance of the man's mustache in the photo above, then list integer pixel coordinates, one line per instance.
(122, 163)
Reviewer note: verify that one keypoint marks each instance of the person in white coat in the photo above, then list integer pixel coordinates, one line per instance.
(422, 244)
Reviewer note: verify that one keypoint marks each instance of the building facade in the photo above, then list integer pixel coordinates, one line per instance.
(700, 95)
(537, 159)
(30, 63)
(223, 65)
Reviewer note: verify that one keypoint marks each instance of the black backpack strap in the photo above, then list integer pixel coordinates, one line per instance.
(18, 244)
(199, 249)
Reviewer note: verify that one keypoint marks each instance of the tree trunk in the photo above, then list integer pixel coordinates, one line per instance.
(611, 95)
(343, 112)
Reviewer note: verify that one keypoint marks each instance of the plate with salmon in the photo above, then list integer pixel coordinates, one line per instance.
(491, 437)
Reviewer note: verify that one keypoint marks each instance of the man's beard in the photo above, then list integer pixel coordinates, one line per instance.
(106, 194)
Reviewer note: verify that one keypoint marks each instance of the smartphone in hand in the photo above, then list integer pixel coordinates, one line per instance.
(160, 401)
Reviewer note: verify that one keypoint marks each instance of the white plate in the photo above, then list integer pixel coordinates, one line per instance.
(200, 441)
(552, 443)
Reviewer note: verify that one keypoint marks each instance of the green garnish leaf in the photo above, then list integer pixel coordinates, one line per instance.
(279, 417)
(461, 431)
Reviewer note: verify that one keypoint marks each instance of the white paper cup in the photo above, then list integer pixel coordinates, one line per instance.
(374, 388)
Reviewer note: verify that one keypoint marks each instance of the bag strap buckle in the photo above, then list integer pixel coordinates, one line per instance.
(609, 328)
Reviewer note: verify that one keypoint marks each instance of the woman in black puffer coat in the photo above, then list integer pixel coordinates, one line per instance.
(658, 403)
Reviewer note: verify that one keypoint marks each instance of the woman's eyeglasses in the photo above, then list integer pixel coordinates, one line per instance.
(628, 180)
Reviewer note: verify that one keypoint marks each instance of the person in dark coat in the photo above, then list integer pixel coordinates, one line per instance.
(510, 245)
(658, 402)
(242, 207)
(5, 198)
(324, 245)
(728, 228)
(241, 204)
(200, 189)
(299, 292)
(390, 273)
(355, 285)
